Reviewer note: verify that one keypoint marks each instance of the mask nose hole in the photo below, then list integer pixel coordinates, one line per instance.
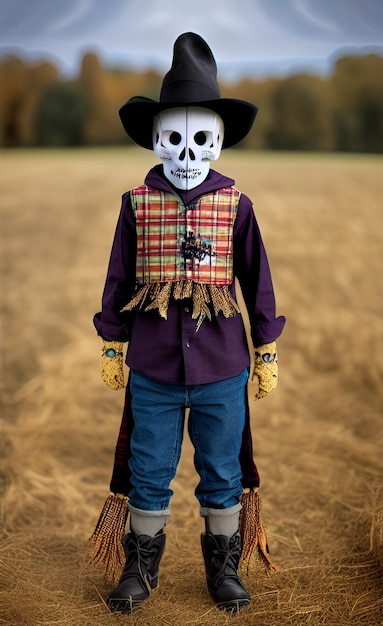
(191, 155)
(182, 155)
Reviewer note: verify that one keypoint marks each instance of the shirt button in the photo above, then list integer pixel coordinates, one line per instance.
(188, 345)
(186, 309)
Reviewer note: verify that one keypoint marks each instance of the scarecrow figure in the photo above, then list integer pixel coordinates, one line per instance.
(181, 240)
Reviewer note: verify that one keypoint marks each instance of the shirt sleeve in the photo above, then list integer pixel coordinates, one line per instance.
(252, 269)
(110, 323)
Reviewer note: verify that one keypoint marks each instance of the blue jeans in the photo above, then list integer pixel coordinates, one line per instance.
(215, 425)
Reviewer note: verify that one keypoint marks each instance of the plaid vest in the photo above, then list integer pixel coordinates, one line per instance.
(177, 243)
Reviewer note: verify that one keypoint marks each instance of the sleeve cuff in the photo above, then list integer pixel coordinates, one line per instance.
(268, 332)
(110, 332)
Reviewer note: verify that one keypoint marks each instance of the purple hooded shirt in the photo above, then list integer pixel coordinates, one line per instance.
(170, 350)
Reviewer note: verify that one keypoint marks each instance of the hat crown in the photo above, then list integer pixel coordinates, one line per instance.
(191, 80)
(193, 74)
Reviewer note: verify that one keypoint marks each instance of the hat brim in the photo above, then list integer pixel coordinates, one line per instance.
(138, 113)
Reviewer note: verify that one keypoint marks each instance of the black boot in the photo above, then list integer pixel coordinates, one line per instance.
(140, 575)
(221, 555)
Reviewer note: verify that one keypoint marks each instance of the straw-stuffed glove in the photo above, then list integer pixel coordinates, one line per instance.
(112, 364)
(266, 369)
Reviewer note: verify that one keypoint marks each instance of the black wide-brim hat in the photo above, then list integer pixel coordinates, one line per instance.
(191, 81)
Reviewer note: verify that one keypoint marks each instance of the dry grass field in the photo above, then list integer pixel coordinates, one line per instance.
(318, 438)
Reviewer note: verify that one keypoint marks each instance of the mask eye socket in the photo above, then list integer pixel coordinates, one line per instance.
(175, 138)
(200, 138)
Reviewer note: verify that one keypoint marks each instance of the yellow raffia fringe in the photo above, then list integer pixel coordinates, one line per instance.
(107, 551)
(205, 298)
(161, 299)
(253, 531)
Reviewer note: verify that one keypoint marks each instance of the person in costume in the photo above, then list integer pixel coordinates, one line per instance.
(181, 239)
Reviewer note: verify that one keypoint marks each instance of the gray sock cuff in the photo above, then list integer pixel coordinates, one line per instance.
(222, 521)
(147, 522)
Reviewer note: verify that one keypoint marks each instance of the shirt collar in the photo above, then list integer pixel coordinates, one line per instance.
(155, 178)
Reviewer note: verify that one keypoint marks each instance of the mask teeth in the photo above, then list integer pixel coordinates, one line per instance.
(190, 173)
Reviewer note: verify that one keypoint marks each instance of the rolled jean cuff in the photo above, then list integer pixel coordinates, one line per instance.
(206, 511)
(160, 513)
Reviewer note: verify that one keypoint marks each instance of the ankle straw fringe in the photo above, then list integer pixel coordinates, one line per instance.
(107, 549)
(108, 552)
(253, 531)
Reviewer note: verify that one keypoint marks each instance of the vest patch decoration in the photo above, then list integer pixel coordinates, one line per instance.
(184, 252)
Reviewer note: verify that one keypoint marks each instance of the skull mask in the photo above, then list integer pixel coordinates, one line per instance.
(186, 139)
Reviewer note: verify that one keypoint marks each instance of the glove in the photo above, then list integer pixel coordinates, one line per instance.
(266, 369)
(112, 364)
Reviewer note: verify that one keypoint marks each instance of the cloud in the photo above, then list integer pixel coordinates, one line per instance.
(142, 32)
(37, 20)
(79, 10)
(341, 21)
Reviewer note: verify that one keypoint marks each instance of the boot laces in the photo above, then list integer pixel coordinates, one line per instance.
(139, 553)
(226, 561)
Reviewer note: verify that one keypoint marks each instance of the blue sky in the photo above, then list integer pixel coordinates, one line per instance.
(256, 37)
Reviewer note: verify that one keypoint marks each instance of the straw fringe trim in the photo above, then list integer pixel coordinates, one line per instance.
(207, 299)
(107, 551)
(253, 531)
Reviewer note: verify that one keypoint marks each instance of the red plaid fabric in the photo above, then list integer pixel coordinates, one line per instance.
(176, 243)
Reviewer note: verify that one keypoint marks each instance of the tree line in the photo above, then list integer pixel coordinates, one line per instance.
(343, 112)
